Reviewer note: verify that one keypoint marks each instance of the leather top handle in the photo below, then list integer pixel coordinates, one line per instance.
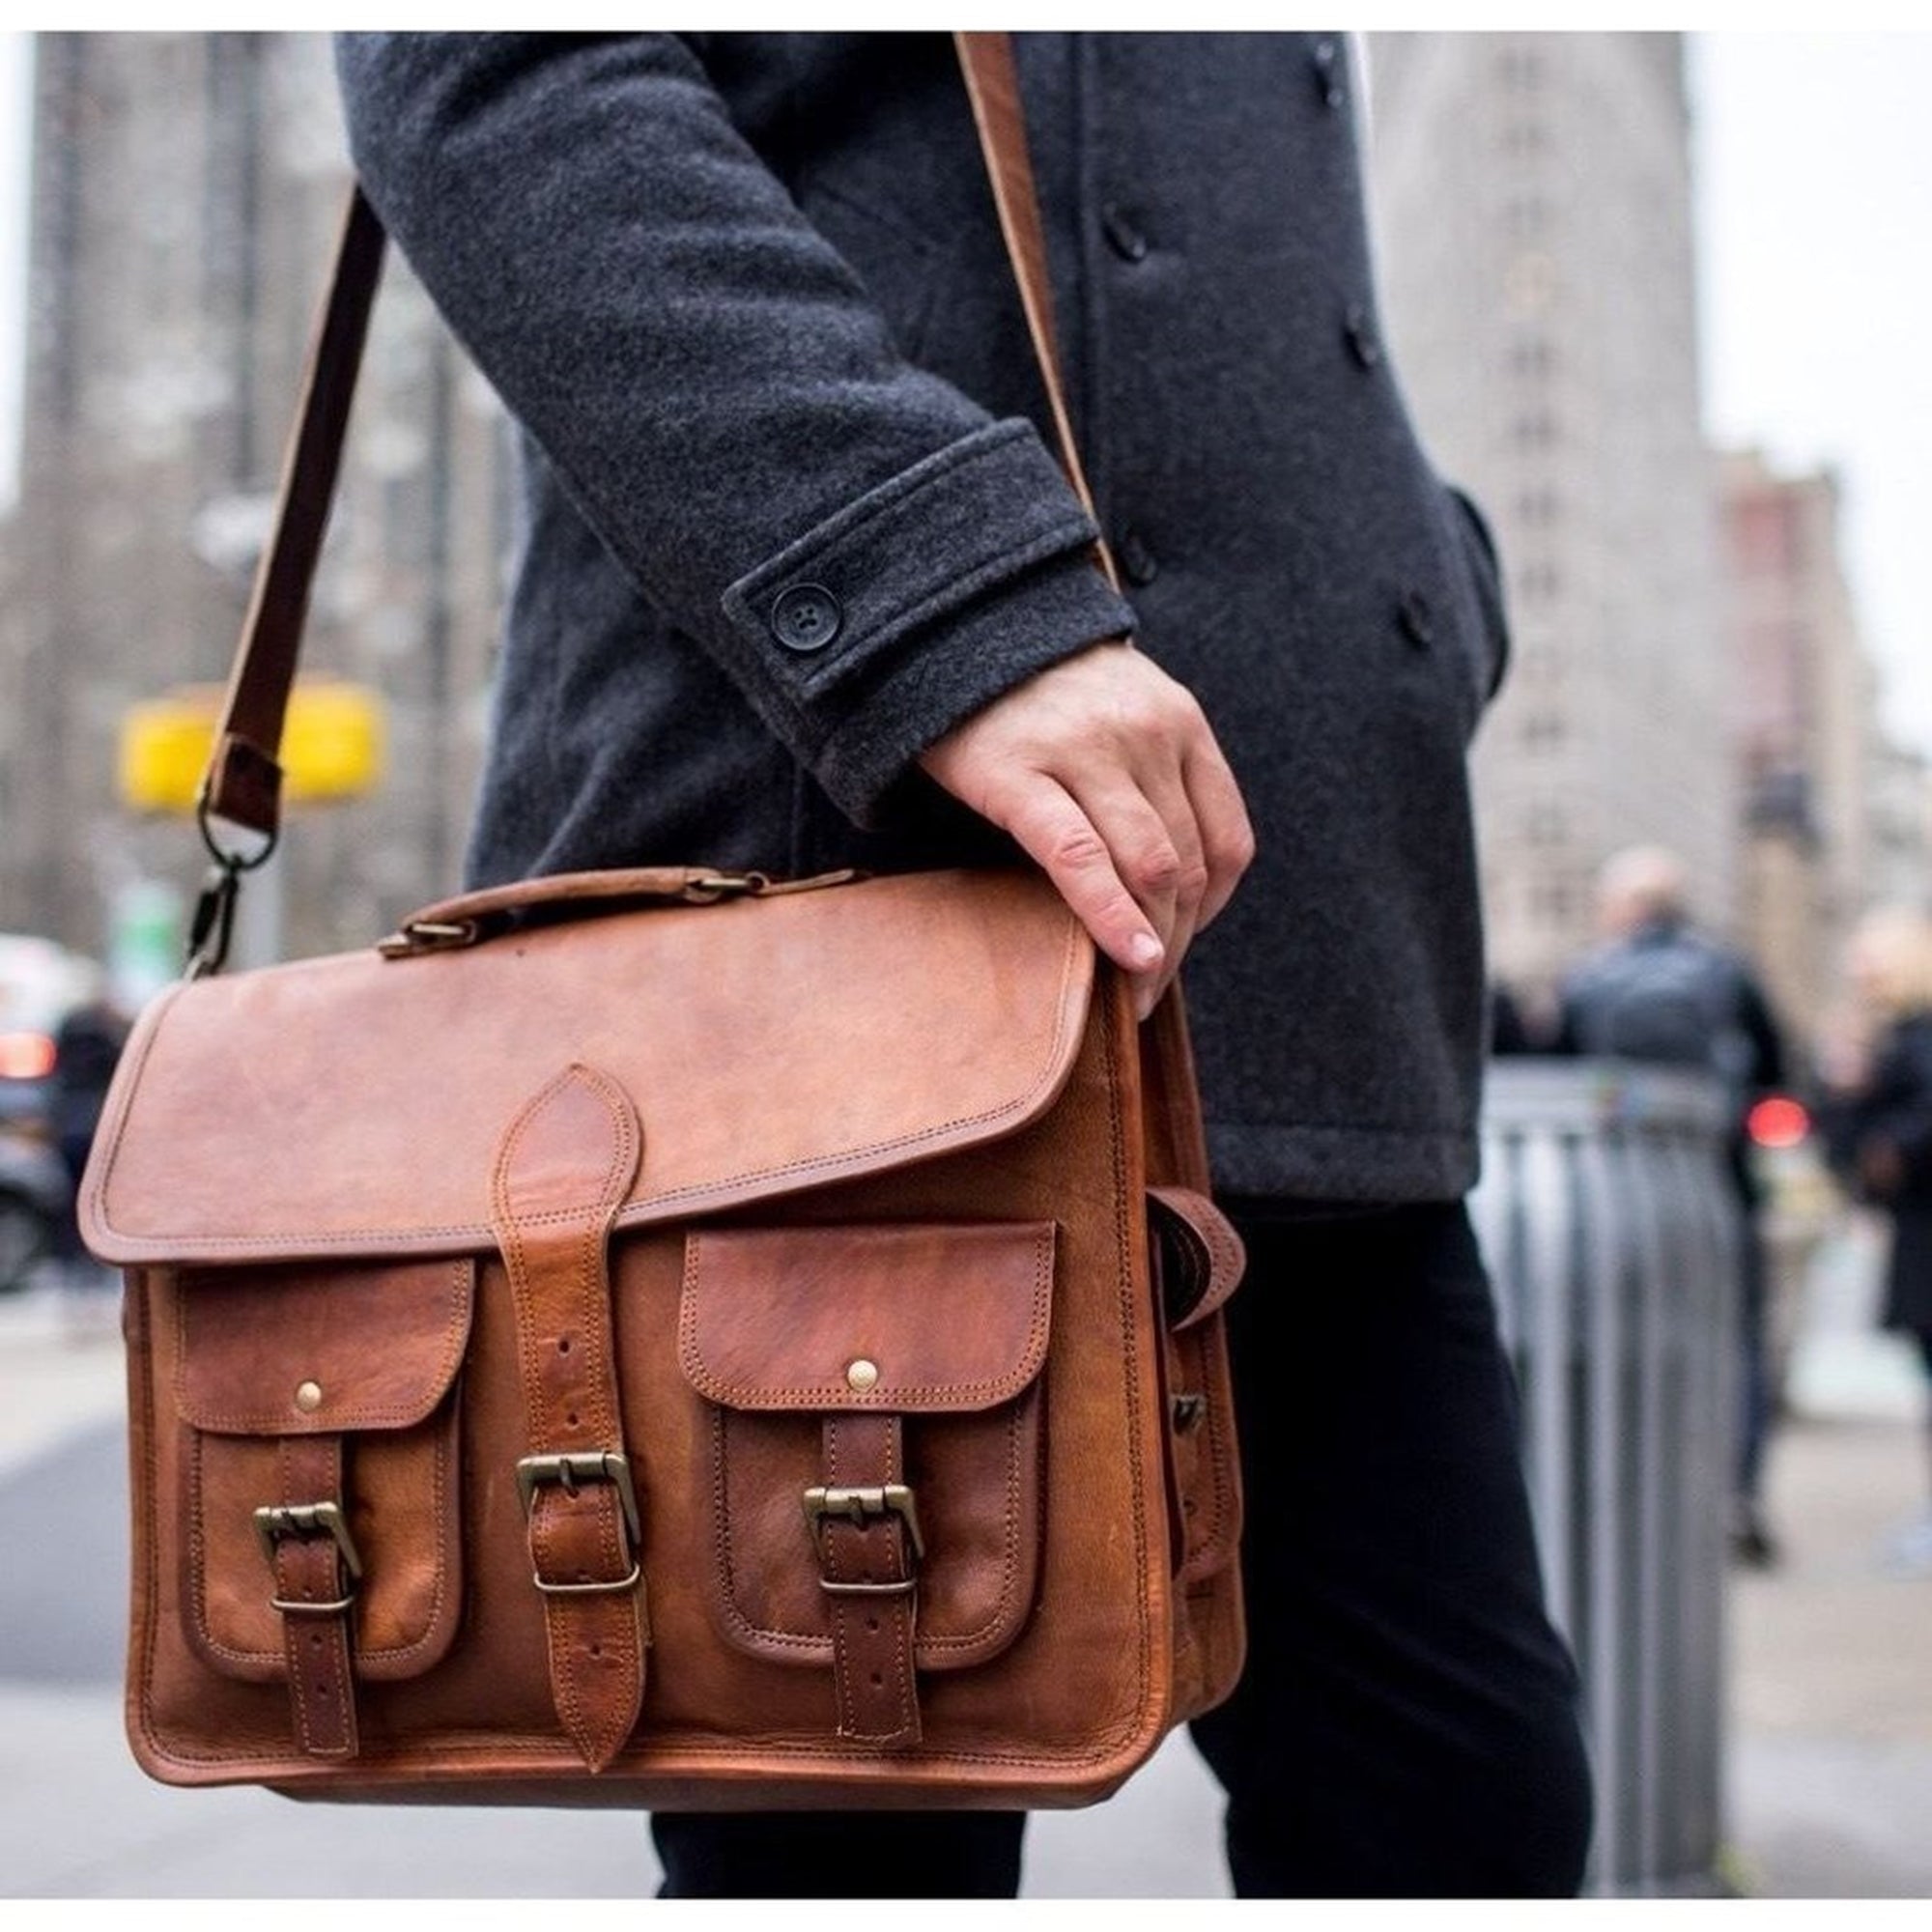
(243, 780)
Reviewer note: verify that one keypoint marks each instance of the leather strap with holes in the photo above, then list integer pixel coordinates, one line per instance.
(868, 1571)
(562, 1171)
(316, 1597)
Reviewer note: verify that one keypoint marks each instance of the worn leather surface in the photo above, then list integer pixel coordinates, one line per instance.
(955, 1320)
(351, 1106)
(948, 1317)
(301, 1350)
(298, 1352)
(1052, 1641)
(404, 1496)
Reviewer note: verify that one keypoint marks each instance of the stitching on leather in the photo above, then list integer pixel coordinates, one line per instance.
(841, 1640)
(396, 1653)
(822, 1647)
(260, 1422)
(1218, 1546)
(291, 1630)
(97, 1194)
(545, 1757)
(723, 1580)
(586, 1716)
(1125, 1213)
(643, 1211)
(1002, 1388)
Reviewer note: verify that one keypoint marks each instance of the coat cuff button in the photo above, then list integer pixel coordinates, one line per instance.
(1360, 330)
(1417, 619)
(806, 617)
(1123, 235)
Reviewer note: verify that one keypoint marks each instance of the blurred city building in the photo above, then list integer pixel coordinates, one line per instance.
(185, 191)
(1689, 667)
(1532, 198)
(1836, 812)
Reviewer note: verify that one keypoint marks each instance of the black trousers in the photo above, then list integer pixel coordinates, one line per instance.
(1407, 1725)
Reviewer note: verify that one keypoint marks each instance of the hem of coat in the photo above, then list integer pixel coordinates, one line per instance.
(946, 674)
(1380, 1165)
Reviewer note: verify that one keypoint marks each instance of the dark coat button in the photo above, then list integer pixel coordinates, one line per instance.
(806, 617)
(1360, 329)
(1328, 73)
(1417, 618)
(1138, 564)
(1123, 238)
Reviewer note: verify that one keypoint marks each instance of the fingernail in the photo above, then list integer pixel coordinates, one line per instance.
(1144, 950)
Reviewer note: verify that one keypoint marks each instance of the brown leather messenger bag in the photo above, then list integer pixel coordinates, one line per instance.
(665, 1337)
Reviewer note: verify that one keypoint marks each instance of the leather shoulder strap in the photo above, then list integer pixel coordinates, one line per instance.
(242, 781)
(993, 85)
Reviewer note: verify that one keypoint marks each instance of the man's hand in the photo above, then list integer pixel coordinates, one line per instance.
(1104, 770)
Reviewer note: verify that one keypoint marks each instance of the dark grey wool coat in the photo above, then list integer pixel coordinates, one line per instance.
(747, 297)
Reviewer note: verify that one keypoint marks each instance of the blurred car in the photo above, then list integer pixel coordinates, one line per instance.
(41, 983)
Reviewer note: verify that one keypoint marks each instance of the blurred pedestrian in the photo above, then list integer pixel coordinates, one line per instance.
(1517, 1025)
(1509, 1031)
(1659, 991)
(87, 1048)
(1877, 1119)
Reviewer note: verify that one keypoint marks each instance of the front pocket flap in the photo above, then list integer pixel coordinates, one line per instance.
(917, 1318)
(318, 1347)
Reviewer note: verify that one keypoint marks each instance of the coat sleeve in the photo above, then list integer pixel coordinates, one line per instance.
(863, 548)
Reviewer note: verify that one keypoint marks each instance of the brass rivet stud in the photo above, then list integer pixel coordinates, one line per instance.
(861, 1375)
(308, 1397)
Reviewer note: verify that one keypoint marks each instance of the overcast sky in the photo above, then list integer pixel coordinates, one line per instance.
(1814, 162)
(1814, 159)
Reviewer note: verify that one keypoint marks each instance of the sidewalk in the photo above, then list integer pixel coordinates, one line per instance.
(60, 1368)
(1831, 1770)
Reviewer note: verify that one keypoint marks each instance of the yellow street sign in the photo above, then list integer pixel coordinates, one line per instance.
(332, 749)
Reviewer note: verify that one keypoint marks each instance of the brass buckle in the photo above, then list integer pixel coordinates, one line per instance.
(428, 935)
(567, 1471)
(862, 1506)
(715, 886)
(277, 1522)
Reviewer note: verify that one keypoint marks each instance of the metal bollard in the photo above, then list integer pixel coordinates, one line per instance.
(1608, 1224)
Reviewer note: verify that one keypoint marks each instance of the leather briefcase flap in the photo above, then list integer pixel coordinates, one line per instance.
(935, 1318)
(304, 1349)
(768, 1045)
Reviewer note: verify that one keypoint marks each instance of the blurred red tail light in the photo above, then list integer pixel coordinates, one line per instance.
(1778, 1122)
(26, 1056)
